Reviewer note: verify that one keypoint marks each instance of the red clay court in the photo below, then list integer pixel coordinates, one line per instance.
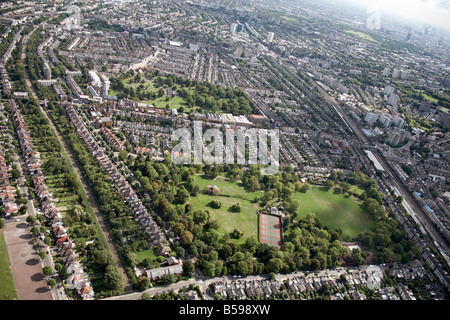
(270, 230)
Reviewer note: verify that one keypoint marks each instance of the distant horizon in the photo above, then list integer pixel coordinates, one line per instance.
(431, 12)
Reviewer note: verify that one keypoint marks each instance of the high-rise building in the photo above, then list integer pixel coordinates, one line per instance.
(388, 90)
(398, 122)
(47, 71)
(398, 137)
(270, 37)
(395, 73)
(385, 120)
(371, 118)
(393, 100)
(233, 27)
(240, 27)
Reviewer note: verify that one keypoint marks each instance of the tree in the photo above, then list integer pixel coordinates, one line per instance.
(51, 283)
(145, 296)
(274, 265)
(358, 257)
(305, 187)
(186, 237)
(47, 270)
(329, 184)
(144, 283)
(15, 174)
(200, 217)
(31, 219)
(112, 278)
(42, 254)
(169, 278)
(123, 155)
(216, 204)
(236, 207)
(182, 195)
(237, 234)
(292, 206)
(188, 268)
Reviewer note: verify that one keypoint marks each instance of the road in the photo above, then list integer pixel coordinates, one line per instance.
(92, 200)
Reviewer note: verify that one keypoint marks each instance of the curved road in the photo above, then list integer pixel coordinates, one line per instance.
(92, 200)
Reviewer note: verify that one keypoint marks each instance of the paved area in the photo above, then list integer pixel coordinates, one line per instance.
(25, 263)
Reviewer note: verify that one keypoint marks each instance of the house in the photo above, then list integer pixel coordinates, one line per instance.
(159, 273)
(86, 293)
(68, 259)
(164, 249)
(173, 261)
(59, 231)
(72, 280)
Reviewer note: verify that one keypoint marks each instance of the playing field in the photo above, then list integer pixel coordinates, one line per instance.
(335, 211)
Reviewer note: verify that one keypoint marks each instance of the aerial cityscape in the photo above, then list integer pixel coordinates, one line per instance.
(251, 150)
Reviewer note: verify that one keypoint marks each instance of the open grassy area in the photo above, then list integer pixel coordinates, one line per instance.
(151, 253)
(336, 211)
(429, 98)
(234, 189)
(246, 220)
(361, 35)
(230, 193)
(7, 287)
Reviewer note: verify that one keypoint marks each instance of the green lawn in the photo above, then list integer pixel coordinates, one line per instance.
(246, 220)
(227, 187)
(151, 253)
(361, 35)
(7, 287)
(335, 211)
(230, 194)
(429, 98)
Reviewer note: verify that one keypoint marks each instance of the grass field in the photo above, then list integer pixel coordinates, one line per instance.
(429, 98)
(230, 194)
(335, 211)
(7, 288)
(246, 220)
(234, 189)
(361, 35)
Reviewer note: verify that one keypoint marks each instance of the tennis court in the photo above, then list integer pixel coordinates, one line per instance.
(270, 230)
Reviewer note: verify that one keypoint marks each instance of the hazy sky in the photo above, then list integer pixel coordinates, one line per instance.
(434, 12)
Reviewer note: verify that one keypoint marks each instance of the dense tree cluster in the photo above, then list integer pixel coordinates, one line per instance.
(205, 96)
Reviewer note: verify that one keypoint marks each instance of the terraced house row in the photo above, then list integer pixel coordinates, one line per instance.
(64, 245)
(6, 191)
(156, 236)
